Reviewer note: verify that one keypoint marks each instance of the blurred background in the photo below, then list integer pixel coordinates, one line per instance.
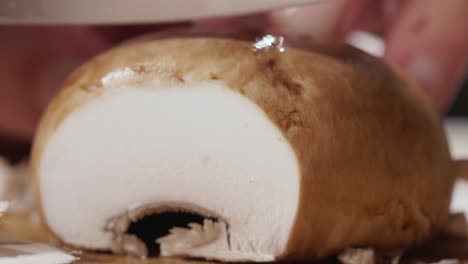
(460, 107)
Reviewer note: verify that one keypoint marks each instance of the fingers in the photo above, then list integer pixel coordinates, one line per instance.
(430, 41)
(336, 18)
(34, 61)
(427, 38)
(317, 20)
(365, 15)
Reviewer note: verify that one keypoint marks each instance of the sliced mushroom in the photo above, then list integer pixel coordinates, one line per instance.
(214, 149)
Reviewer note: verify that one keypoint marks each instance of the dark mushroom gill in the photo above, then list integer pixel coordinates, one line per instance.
(151, 227)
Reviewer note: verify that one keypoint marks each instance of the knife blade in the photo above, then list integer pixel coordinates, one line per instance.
(129, 12)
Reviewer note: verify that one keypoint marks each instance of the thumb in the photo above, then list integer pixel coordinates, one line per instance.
(429, 40)
(317, 20)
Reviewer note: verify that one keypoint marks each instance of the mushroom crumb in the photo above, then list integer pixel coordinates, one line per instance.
(3, 207)
(357, 256)
(4, 175)
(444, 261)
(16, 186)
(368, 256)
(269, 41)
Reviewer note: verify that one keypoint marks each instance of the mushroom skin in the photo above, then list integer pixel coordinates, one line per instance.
(373, 165)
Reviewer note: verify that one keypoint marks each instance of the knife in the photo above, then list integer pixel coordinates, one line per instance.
(129, 11)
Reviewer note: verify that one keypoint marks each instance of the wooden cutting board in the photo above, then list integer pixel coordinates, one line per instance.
(21, 226)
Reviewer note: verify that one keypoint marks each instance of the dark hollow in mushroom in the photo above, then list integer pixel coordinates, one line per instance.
(151, 227)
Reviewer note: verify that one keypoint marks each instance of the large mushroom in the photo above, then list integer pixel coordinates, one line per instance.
(218, 149)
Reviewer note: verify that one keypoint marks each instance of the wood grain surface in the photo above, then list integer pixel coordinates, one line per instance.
(21, 226)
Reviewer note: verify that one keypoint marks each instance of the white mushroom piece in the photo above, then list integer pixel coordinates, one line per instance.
(204, 147)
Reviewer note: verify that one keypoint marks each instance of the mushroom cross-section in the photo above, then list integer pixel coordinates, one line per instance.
(210, 148)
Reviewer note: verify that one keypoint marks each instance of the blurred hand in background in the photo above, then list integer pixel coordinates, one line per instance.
(427, 38)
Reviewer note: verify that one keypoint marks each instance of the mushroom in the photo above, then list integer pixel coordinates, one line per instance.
(214, 148)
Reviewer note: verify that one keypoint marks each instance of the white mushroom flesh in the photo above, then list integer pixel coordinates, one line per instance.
(204, 145)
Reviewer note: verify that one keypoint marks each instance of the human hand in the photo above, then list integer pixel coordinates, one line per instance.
(426, 38)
